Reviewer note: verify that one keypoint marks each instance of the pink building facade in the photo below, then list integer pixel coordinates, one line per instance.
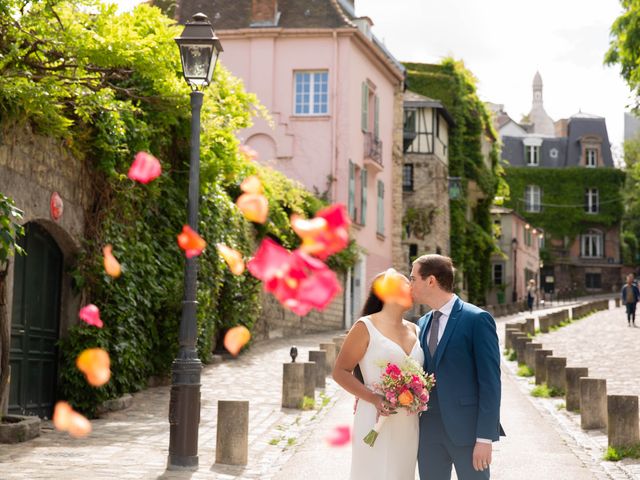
(334, 97)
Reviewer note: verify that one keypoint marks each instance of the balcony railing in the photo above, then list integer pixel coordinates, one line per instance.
(372, 148)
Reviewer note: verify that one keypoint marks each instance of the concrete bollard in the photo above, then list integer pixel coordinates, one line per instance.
(530, 325)
(545, 323)
(339, 341)
(310, 380)
(509, 336)
(519, 344)
(541, 365)
(530, 354)
(617, 302)
(320, 359)
(572, 393)
(593, 403)
(330, 348)
(556, 375)
(623, 430)
(292, 385)
(232, 436)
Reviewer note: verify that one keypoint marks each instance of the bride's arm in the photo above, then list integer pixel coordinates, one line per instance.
(352, 351)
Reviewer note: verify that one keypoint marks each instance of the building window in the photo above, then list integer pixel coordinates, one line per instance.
(532, 155)
(312, 93)
(591, 204)
(527, 237)
(413, 252)
(498, 274)
(380, 223)
(497, 229)
(593, 280)
(591, 157)
(407, 177)
(532, 198)
(437, 119)
(363, 196)
(591, 244)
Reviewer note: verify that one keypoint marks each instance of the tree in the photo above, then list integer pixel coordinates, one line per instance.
(9, 231)
(631, 195)
(624, 47)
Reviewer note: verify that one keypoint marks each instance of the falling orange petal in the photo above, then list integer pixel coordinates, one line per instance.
(236, 338)
(232, 257)
(254, 207)
(111, 265)
(251, 184)
(192, 243)
(247, 152)
(393, 287)
(96, 366)
(66, 419)
(308, 228)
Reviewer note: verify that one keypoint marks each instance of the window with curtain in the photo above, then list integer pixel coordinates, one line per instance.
(407, 177)
(532, 198)
(532, 155)
(591, 244)
(591, 201)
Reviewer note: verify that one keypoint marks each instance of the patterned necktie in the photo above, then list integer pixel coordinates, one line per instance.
(435, 328)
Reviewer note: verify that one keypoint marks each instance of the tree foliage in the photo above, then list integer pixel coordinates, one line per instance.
(111, 85)
(472, 242)
(624, 46)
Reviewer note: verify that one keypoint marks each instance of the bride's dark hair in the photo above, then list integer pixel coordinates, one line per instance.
(371, 306)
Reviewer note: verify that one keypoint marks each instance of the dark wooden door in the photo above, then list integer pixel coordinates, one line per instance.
(35, 324)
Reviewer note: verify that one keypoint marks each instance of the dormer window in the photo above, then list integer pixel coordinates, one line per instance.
(532, 154)
(591, 157)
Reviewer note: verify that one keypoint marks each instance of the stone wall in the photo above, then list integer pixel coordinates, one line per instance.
(398, 251)
(276, 321)
(32, 167)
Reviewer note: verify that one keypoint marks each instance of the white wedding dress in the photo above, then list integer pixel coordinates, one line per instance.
(395, 452)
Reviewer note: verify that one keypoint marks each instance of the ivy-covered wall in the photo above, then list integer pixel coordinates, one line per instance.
(563, 197)
(109, 85)
(472, 240)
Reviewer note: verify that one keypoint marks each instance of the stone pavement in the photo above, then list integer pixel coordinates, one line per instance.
(543, 441)
(133, 443)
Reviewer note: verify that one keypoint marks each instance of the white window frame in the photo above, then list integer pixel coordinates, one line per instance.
(532, 154)
(591, 244)
(316, 102)
(591, 157)
(532, 198)
(592, 201)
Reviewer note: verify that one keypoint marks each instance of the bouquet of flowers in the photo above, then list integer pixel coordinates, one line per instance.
(406, 386)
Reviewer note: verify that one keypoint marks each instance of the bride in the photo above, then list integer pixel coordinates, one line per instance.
(381, 335)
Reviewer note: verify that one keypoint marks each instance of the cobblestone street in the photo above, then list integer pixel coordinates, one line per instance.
(542, 438)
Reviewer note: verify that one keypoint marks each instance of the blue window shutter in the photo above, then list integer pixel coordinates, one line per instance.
(376, 119)
(352, 190)
(365, 107)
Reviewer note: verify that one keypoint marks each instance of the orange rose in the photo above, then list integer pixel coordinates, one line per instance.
(405, 398)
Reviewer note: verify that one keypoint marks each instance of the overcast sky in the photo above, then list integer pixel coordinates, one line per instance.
(504, 42)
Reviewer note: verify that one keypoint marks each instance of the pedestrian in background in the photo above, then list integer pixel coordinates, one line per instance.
(532, 291)
(630, 297)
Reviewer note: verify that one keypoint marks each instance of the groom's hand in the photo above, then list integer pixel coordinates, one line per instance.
(481, 456)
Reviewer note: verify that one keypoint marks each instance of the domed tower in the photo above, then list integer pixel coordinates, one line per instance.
(541, 121)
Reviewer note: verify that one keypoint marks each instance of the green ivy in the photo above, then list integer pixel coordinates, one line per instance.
(563, 196)
(472, 242)
(10, 229)
(110, 85)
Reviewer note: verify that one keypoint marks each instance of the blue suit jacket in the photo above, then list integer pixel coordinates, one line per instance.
(466, 365)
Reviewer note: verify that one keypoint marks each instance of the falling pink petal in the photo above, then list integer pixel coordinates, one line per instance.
(247, 152)
(325, 234)
(236, 338)
(339, 437)
(189, 241)
(91, 315)
(145, 167)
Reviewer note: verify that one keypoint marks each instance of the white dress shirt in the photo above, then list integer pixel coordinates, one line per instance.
(445, 310)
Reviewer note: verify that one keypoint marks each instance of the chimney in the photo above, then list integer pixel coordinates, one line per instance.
(561, 127)
(264, 13)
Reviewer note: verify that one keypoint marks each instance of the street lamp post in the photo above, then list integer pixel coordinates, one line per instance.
(199, 50)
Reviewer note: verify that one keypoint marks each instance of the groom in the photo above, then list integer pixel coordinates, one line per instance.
(461, 349)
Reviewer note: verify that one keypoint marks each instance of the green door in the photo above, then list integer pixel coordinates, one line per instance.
(35, 323)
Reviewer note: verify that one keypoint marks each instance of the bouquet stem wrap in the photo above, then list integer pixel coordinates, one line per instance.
(372, 436)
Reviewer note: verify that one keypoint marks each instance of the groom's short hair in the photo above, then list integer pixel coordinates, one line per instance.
(439, 266)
